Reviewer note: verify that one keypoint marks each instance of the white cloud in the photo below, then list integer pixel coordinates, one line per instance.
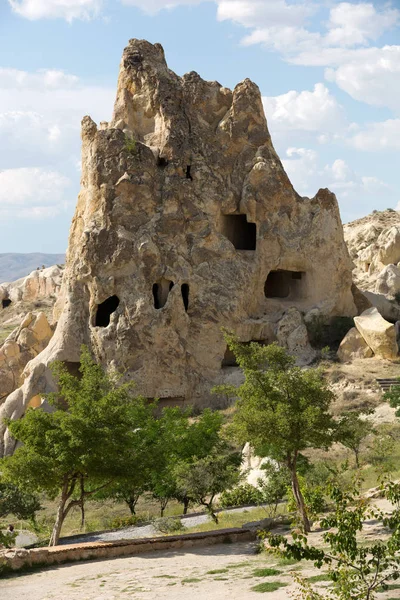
(307, 176)
(56, 9)
(345, 182)
(154, 6)
(259, 13)
(354, 24)
(340, 170)
(371, 75)
(378, 136)
(316, 111)
(301, 167)
(40, 115)
(48, 79)
(32, 192)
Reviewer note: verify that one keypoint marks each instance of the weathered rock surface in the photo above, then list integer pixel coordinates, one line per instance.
(379, 334)
(187, 222)
(353, 346)
(389, 309)
(388, 281)
(40, 284)
(292, 334)
(23, 344)
(374, 243)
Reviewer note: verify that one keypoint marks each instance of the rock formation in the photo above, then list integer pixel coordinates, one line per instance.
(38, 285)
(23, 344)
(374, 246)
(187, 222)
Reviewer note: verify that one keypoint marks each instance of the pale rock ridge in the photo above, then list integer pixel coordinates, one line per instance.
(23, 344)
(374, 246)
(40, 284)
(186, 222)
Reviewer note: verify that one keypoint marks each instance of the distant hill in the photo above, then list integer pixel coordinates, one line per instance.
(14, 266)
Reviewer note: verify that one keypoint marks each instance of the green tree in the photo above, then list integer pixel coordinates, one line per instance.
(181, 440)
(281, 409)
(203, 478)
(83, 445)
(352, 431)
(393, 397)
(358, 568)
(18, 502)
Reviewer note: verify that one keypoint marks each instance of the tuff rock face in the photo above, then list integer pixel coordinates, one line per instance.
(187, 222)
(23, 344)
(374, 246)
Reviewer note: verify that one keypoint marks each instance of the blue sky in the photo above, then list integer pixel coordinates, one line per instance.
(329, 74)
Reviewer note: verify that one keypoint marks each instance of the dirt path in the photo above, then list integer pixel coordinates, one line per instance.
(161, 576)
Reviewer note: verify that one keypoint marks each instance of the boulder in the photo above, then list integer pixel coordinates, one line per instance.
(388, 281)
(353, 346)
(379, 334)
(292, 334)
(389, 309)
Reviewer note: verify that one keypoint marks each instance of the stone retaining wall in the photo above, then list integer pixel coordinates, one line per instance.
(17, 559)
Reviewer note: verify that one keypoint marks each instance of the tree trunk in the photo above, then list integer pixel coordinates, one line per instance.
(55, 534)
(131, 503)
(356, 452)
(185, 505)
(298, 496)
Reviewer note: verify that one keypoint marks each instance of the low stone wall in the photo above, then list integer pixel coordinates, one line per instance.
(17, 559)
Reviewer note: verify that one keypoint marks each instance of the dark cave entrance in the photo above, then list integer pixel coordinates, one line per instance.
(185, 295)
(105, 310)
(188, 172)
(5, 302)
(229, 359)
(161, 291)
(281, 284)
(162, 162)
(239, 231)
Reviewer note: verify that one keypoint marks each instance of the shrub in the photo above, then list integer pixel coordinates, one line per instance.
(241, 495)
(168, 525)
(120, 522)
(130, 145)
(313, 497)
(328, 332)
(7, 540)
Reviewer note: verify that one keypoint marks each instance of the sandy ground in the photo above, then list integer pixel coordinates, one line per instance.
(224, 571)
(162, 575)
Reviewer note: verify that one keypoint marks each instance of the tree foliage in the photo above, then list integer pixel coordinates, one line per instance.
(281, 409)
(203, 478)
(18, 502)
(352, 430)
(358, 569)
(94, 431)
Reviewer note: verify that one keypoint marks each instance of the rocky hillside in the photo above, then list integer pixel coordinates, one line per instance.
(14, 266)
(374, 246)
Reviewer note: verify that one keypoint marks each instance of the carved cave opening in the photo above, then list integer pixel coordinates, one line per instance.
(239, 231)
(188, 173)
(105, 310)
(161, 290)
(5, 302)
(185, 295)
(162, 162)
(229, 359)
(282, 284)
